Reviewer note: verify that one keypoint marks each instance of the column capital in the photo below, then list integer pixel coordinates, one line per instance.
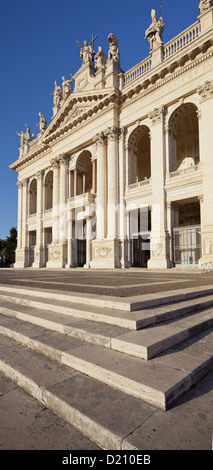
(112, 133)
(99, 138)
(24, 182)
(39, 175)
(156, 115)
(54, 163)
(19, 184)
(63, 159)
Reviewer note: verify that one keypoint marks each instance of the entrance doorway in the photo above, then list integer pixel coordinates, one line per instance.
(32, 243)
(141, 250)
(47, 242)
(81, 253)
(187, 246)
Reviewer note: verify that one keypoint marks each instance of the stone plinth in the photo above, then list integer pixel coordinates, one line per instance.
(106, 254)
(57, 255)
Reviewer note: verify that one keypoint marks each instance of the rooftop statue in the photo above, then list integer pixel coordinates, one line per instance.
(66, 85)
(204, 5)
(100, 58)
(86, 52)
(43, 123)
(155, 31)
(57, 95)
(113, 53)
(24, 136)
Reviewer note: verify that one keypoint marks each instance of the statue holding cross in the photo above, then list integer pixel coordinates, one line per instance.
(87, 51)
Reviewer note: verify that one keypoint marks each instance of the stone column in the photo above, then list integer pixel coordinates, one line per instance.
(38, 250)
(94, 176)
(19, 241)
(159, 258)
(112, 167)
(206, 145)
(56, 200)
(101, 186)
(63, 196)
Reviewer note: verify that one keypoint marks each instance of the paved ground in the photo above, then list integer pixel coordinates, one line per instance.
(25, 424)
(28, 425)
(122, 283)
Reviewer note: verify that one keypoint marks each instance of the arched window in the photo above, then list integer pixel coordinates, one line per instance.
(139, 155)
(84, 173)
(48, 197)
(33, 197)
(184, 146)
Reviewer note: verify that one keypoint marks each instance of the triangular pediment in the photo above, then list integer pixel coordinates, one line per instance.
(78, 107)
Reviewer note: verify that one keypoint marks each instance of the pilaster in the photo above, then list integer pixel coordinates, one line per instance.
(158, 248)
(206, 145)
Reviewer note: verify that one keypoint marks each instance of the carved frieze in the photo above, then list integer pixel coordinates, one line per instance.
(206, 91)
(156, 115)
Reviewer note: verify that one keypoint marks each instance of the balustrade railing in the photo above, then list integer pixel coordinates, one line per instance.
(138, 184)
(171, 48)
(137, 71)
(182, 40)
(184, 171)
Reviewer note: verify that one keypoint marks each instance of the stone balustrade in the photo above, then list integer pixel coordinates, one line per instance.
(182, 40)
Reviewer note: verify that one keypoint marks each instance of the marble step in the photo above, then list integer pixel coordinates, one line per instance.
(117, 303)
(133, 320)
(145, 343)
(103, 414)
(158, 382)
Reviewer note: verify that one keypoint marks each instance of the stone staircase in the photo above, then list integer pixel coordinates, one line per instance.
(106, 364)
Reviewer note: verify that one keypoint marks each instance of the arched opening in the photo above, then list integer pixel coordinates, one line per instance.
(33, 197)
(48, 197)
(185, 138)
(84, 173)
(140, 155)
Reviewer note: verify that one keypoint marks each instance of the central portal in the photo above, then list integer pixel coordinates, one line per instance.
(81, 252)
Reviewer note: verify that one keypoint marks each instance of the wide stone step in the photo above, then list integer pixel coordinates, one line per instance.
(103, 414)
(129, 304)
(131, 320)
(145, 343)
(159, 382)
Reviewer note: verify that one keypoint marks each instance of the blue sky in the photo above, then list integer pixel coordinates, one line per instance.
(38, 46)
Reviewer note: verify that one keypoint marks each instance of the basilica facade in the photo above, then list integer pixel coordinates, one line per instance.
(123, 174)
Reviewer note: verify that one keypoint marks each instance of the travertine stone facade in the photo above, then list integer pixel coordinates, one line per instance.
(122, 176)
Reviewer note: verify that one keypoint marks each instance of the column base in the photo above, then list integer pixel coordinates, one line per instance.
(57, 255)
(22, 258)
(159, 263)
(106, 254)
(38, 257)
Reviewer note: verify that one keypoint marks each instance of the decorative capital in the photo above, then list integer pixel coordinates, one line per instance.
(39, 175)
(112, 133)
(206, 91)
(63, 159)
(99, 139)
(54, 163)
(156, 115)
(19, 184)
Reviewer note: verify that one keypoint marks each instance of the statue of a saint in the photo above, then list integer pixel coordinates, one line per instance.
(86, 52)
(155, 31)
(43, 123)
(25, 137)
(27, 133)
(22, 138)
(100, 58)
(113, 53)
(204, 5)
(66, 85)
(57, 95)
